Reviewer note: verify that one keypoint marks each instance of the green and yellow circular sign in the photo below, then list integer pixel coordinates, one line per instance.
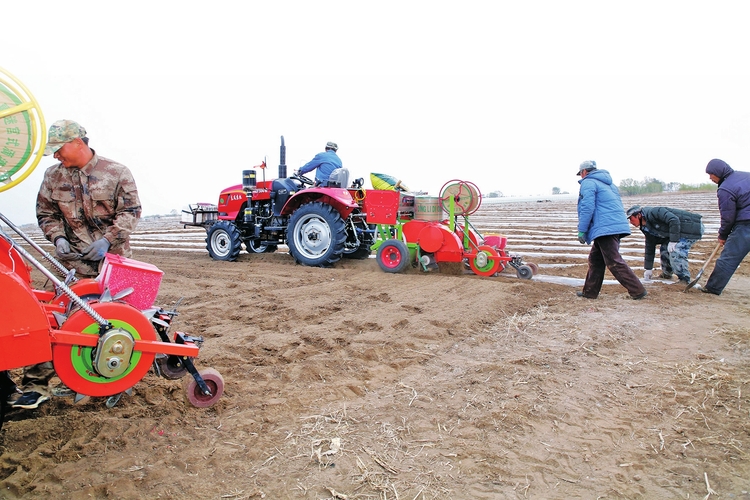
(22, 131)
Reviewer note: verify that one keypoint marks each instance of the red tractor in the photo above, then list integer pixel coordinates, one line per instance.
(320, 224)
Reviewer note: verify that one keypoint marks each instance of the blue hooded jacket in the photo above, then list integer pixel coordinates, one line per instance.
(600, 211)
(733, 194)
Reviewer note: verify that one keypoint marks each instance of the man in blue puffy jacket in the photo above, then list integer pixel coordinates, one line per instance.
(734, 232)
(602, 222)
(325, 162)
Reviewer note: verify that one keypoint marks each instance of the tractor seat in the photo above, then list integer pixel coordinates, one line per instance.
(339, 178)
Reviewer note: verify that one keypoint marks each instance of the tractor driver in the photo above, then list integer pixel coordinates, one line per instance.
(325, 163)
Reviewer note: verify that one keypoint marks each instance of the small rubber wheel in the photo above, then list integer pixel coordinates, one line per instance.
(534, 268)
(524, 272)
(215, 384)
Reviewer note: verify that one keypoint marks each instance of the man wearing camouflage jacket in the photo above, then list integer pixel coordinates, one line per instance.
(87, 205)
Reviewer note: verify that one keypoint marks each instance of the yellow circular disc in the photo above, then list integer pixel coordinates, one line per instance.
(23, 133)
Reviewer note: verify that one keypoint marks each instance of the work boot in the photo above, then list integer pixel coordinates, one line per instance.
(666, 276)
(29, 400)
(640, 295)
(13, 396)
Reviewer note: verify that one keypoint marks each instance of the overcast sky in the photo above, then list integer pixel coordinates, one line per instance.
(511, 96)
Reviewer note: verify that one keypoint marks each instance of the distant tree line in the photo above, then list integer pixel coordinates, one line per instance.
(630, 187)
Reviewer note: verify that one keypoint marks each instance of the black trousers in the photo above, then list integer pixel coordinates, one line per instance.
(605, 254)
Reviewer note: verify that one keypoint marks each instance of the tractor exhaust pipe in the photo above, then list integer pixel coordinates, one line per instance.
(282, 160)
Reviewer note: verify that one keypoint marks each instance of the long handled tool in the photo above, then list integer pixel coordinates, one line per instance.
(700, 273)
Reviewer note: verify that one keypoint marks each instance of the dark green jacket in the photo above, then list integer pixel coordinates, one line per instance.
(664, 224)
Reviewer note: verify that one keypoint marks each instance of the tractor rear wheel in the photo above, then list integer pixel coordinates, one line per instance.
(316, 235)
(393, 256)
(223, 241)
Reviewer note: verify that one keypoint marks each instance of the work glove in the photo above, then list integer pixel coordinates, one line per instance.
(96, 250)
(62, 249)
(581, 237)
(671, 246)
(647, 274)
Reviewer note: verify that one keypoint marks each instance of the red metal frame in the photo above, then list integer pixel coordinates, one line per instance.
(445, 240)
(29, 333)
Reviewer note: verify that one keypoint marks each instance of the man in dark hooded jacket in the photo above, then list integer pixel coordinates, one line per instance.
(734, 232)
(675, 230)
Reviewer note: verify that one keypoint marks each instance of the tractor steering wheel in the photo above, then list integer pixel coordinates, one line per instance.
(302, 179)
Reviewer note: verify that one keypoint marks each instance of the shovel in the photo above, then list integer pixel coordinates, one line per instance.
(700, 273)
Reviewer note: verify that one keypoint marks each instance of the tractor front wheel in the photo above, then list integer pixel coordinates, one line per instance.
(223, 241)
(393, 256)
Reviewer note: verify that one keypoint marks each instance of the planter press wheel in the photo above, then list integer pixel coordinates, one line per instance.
(215, 383)
(393, 256)
(74, 363)
(482, 264)
(24, 133)
(466, 197)
(525, 272)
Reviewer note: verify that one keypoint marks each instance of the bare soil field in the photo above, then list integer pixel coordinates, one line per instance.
(350, 383)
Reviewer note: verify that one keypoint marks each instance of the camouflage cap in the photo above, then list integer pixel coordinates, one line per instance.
(332, 145)
(60, 132)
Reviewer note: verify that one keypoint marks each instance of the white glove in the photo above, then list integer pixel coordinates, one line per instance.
(647, 274)
(672, 246)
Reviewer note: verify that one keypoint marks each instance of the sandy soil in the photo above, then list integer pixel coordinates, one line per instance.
(352, 383)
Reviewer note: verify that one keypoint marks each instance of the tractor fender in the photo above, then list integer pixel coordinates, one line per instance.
(340, 199)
